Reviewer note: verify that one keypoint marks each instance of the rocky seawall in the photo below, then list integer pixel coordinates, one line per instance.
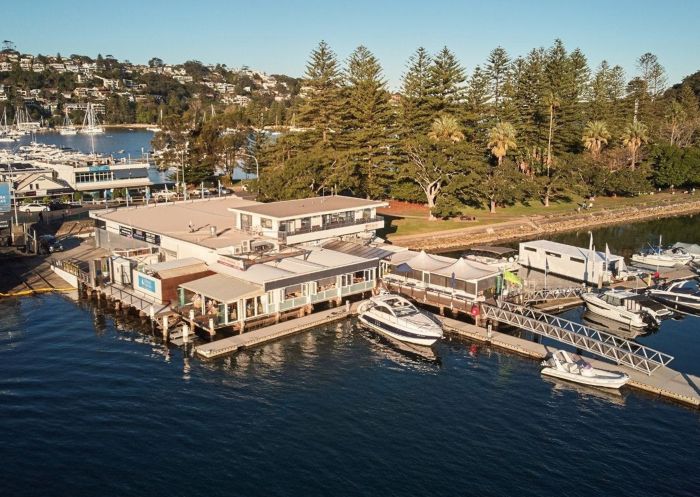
(540, 226)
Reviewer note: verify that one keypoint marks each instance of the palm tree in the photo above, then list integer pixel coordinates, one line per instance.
(634, 136)
(595, 135)
(501, 138)
(445, 128)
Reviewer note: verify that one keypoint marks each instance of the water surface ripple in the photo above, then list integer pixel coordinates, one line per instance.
(92, 407)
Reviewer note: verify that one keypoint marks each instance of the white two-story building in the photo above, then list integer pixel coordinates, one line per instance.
(310, 220)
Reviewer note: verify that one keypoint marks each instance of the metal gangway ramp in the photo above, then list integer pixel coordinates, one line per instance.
(552, 294)
(619, 350)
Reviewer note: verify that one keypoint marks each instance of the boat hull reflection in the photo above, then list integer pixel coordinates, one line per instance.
(613, 396)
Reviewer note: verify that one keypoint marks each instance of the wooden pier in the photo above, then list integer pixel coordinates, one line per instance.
(270, 333)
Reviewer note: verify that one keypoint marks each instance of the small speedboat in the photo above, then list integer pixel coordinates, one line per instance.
(396, 317)
(571, 367)
(629, 308)
(684, 295)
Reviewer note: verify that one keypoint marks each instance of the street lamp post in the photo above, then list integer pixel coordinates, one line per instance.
(257, 168)
(184, 183)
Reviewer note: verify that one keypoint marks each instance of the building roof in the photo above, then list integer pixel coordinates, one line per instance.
(222, 288)
(173, 219)
(178, 267)
(570, 250)
(364, 251)
(428, 262)
(308, 206)
(316, 263)
(465, 270)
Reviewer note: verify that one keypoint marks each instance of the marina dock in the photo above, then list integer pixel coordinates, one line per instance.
(269, 333)
(664, 382)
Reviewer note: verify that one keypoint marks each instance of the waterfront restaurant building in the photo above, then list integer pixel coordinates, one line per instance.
(257, 273)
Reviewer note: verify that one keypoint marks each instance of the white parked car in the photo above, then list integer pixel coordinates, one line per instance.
(34, 207)
(164, 195)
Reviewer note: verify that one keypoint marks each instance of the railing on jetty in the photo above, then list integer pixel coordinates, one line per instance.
(72, 266)
(619, 350)
(131, 299)
(545, 294)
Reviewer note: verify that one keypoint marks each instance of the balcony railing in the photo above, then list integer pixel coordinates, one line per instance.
(282, 235)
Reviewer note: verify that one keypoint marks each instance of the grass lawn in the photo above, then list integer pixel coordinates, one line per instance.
(405, 219)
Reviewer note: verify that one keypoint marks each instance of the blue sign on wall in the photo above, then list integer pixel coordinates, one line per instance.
(97, 169)
(5, 202)
(147, 284)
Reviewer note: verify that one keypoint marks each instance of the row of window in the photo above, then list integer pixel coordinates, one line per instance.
(301, 290)
(94, 177)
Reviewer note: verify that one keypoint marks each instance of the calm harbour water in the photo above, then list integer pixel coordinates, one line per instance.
(92, 405)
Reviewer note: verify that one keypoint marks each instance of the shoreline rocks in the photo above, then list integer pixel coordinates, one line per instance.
(528, 227)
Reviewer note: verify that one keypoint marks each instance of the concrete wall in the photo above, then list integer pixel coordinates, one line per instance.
(110, 241)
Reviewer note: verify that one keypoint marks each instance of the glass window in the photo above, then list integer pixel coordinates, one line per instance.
(266, 222)
(250, 308)
(246, 221)
(232, 312)
(292, 292)
(326, 284)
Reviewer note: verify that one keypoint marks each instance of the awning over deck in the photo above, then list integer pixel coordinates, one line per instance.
(464, 270)
(224, 289)
(429, 263)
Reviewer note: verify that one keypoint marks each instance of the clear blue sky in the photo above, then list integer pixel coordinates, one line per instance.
(277, 36)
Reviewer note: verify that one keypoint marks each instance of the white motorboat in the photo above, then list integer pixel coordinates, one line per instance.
(396, 317)
(660, 257)
(636, 311)
(683, 295)
(663, 257)
(499, 257)
(571, 367)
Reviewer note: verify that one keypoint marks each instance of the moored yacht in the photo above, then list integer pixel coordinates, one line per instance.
(91, 125)
(68, 127)
(498, 257)
(399, 319)
(671, 257)
(571, 367)
(684, 295)
(634, 310)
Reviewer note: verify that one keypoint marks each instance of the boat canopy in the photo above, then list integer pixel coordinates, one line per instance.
(691, 248)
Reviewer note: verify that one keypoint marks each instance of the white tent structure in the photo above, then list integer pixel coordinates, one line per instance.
(459, 276)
